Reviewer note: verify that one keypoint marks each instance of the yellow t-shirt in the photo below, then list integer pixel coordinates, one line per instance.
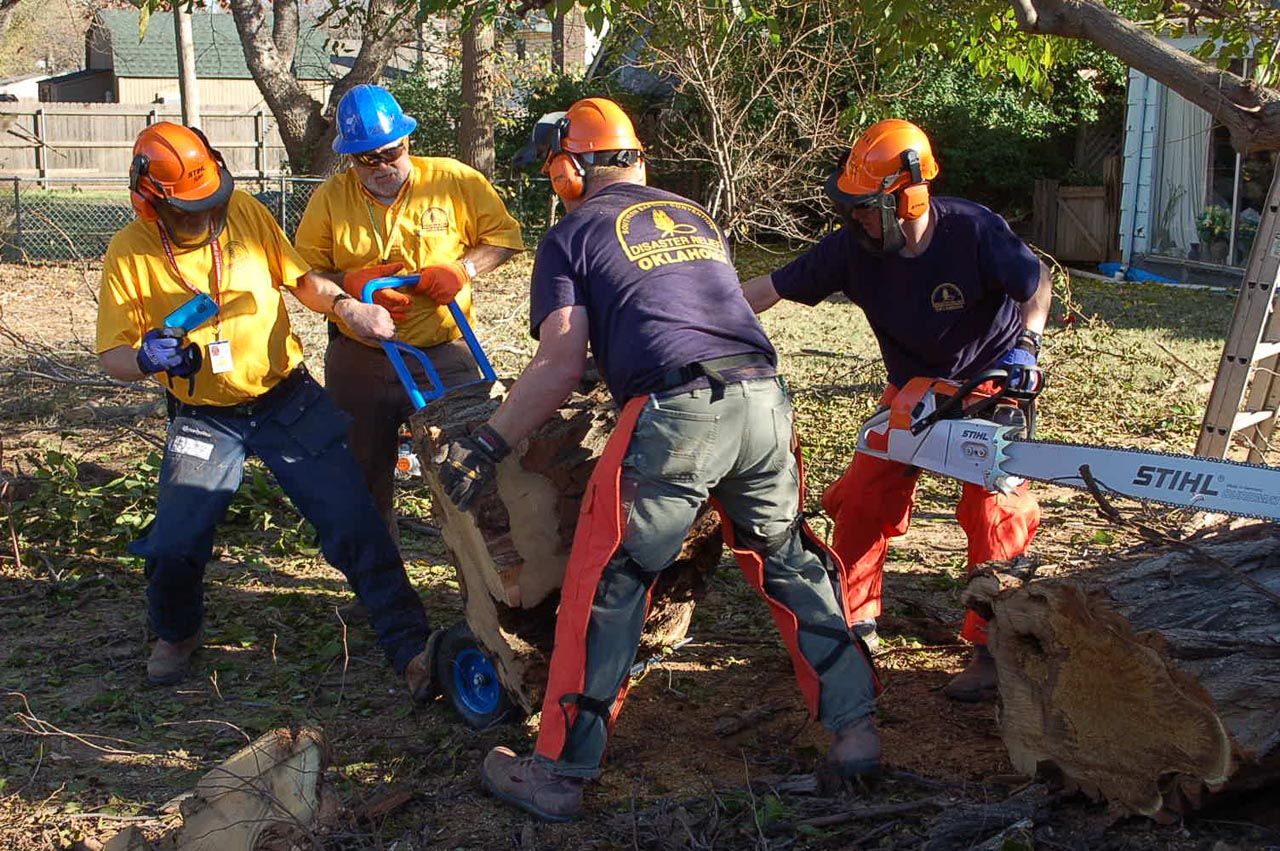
(444, 209)
(139, 289)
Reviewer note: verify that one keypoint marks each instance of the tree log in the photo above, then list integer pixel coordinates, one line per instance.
(1151, 684)
(511, 548)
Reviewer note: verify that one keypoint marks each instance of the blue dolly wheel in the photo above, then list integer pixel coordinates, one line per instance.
(469, 679)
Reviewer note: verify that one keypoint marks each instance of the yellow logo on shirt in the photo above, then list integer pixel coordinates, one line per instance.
(434, 220)
(672, 232)
(946, 297)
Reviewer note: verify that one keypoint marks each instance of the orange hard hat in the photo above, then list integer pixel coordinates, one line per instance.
(598, 124)
(176, 166)
(888, 156)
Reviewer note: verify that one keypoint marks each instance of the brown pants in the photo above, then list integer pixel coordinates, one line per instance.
(361, 380)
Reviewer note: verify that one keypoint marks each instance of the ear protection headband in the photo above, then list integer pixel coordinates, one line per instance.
(568, 177)
(144, 202)
(913, 199)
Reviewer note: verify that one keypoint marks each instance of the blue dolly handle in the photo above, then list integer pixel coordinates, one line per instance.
(393, 348)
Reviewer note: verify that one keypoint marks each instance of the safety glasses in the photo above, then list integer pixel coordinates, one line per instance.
(385, 156)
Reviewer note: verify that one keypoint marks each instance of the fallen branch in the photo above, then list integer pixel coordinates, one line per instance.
(861, 813)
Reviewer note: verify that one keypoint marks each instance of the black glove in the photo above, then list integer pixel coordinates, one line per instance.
(467, 464)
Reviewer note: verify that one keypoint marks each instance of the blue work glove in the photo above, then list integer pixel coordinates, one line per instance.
(192, 359)
(1025, 377)
(161, 350)
(467, 465)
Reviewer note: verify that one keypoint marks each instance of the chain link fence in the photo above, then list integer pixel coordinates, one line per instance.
(54, 221)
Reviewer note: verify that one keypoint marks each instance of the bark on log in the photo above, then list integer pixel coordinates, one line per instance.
(1151, 684)
(510, 549)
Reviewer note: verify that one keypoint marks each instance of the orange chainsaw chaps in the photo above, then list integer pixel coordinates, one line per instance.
(871, 504)
(596, 539)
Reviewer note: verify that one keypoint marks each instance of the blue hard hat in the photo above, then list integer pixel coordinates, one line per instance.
(368, 118)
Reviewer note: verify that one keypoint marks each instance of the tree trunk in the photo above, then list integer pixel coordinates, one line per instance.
(569, 41)
(510, 549)
(1250, 112)
(270, 43)
(475, 125)
(1151, 684)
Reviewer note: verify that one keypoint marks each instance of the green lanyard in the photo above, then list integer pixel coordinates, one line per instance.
(384, 249)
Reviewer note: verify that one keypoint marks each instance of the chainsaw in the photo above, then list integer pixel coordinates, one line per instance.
(983, 433)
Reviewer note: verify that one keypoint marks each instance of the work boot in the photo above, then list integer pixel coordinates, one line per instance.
(977, 682)
(170, 661)
(855, 749)
(866, 630)
(420, 676)
(521, 781)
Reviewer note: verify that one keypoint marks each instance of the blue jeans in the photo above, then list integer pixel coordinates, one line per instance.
(301, 437)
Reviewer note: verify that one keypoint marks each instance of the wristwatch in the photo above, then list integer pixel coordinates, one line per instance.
(333, 308)
(470, 269)
(1029, 340)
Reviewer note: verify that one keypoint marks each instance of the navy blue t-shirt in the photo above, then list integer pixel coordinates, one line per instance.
(950, 313)
(653, 272)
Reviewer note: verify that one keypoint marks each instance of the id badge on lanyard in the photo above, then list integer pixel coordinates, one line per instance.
(220, 359)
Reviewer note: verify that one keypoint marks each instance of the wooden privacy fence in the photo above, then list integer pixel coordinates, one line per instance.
(62, 140)
(1079, 224)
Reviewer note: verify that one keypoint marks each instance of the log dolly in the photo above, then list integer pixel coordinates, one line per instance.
(465, 672)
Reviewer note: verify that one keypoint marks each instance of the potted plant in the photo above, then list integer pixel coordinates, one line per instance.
(1214, 226)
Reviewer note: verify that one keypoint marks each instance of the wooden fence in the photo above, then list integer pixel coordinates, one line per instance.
(68, 140)
(1079, 224)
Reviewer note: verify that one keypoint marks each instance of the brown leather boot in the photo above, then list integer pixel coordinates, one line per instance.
(420, 676)
(855, 749)
(531, 787)
(977, 682)
(170, 662)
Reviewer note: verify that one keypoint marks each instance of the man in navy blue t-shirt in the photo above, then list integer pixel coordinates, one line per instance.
(643, 277)
(949, 292)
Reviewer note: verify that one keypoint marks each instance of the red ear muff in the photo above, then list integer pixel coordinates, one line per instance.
(913, 201)
(141, 203)
(568, 178)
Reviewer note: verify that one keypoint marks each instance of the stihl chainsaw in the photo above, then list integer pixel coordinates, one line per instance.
(980, 432)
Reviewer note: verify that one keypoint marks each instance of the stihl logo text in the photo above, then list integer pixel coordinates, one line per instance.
(1174, 480)
(973, 434)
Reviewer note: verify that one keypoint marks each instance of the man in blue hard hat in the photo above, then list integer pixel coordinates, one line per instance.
(391, 213)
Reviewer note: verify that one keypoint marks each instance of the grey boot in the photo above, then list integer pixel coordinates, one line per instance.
(170, 661)
(855, 749)
(977, 682)
(521, 781)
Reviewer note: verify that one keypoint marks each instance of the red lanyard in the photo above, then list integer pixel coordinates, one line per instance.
(215, 284)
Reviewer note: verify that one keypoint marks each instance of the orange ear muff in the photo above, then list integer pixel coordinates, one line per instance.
(913, 201)
(141, 203)
(568, 178)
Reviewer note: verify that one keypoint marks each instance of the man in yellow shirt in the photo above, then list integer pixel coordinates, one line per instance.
(241, 389)
(391, 213)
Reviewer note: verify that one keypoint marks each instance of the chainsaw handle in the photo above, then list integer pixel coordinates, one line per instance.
(393, 348)
(954, 406)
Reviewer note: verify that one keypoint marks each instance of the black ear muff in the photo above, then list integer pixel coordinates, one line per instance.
(142, 205)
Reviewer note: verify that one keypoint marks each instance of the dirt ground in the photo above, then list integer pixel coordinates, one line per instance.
(86, 748)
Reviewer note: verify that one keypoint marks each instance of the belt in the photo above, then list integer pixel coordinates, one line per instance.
(716, 370)
(258, 404)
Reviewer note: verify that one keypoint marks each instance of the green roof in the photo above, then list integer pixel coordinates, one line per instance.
(217, 47)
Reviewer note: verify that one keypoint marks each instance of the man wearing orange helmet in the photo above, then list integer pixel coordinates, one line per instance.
(388, 214)
(199, 244)
(643, 277)
(949, 292)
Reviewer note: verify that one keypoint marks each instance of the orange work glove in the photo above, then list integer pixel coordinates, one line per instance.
(441, 282)
(396, 302)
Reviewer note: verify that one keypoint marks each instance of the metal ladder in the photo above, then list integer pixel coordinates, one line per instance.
(1246, 392)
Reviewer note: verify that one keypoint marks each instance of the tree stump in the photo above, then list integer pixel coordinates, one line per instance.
(511, 548)
(1151, 684)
